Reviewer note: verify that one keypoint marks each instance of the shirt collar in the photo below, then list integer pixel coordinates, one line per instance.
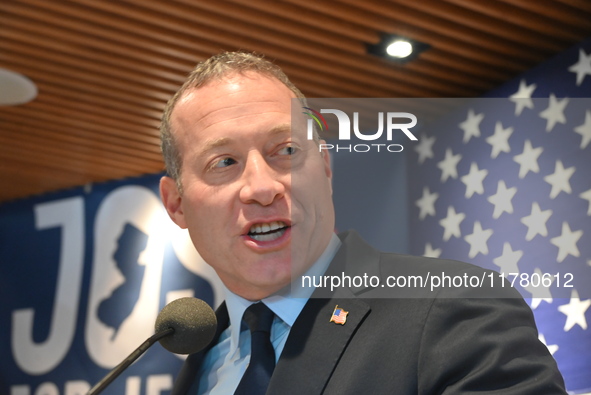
(286, 304)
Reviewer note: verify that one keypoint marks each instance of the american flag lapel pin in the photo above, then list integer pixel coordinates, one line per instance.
(339, 316)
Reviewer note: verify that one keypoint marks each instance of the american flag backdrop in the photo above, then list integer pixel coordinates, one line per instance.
(504, 182)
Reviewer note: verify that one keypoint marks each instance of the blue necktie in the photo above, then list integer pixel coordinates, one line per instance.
(262, 355)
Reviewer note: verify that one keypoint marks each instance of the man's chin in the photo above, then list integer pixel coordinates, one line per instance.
(263, 291)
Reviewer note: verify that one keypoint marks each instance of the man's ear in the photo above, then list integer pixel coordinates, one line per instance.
(327, 164)
(172, 199)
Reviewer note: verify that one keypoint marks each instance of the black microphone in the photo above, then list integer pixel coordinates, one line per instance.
(184, 326)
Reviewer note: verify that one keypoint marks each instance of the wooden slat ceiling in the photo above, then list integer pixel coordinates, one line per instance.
(105, 69)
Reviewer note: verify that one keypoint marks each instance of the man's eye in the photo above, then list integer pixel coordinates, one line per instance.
(287, 150)
(225, 162)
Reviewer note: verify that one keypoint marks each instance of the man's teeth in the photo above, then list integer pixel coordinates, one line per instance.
(267, 232)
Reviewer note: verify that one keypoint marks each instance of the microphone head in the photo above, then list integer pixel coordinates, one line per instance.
(194, 325)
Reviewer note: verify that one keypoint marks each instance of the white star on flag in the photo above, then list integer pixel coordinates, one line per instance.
(536, 222)
(587, 196)
(471, 126)
(507, 262)
(478, 240)
(473, 180)
(560, 179)
(427, 203)
(502, 199)
(500, 140)
(582, 67)
(528, 159)
(567, 242)
(449, 165)
(425, 147)
(451, 223)
(551, 348)
(522, 98)
(541, 292)
(431, 252)
(585, 130)
(575, 311)
(554, 113)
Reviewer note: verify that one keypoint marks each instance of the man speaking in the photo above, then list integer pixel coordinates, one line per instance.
(255, 195)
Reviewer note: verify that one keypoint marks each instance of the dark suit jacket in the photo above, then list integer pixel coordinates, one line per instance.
(454, 342)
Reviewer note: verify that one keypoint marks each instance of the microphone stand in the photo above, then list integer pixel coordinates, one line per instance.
(113, 374)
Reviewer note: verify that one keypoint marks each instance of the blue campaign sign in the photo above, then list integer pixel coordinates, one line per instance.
(83, 275)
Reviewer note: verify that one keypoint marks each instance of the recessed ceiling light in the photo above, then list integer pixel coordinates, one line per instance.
(397, 48)
(15, 88)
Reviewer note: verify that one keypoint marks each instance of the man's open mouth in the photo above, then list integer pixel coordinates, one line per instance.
(267, 231)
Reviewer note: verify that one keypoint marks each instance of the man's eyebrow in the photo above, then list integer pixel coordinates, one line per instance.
(280, 129)
(221, 141)
(209, 145)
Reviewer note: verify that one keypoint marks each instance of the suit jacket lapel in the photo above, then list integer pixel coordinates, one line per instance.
(315, 344)
(187, 380)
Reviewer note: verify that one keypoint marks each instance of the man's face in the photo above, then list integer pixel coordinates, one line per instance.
(239, 158)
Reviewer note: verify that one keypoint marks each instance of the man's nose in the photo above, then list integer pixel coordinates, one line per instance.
(261, 183)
